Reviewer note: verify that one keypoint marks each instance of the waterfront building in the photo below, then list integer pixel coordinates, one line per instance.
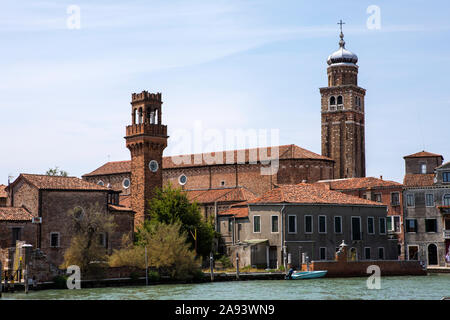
(292, 222)
(387, 192)
(426, 205)
(37, 213)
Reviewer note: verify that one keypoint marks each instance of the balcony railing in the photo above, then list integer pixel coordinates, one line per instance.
(146, 128)
(446, 234)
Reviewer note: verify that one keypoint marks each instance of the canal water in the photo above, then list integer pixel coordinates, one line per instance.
(431, 287)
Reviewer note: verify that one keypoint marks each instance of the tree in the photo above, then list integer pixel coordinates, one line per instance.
(56, 172)
(167, 249)
(170, 205)
(89, 228)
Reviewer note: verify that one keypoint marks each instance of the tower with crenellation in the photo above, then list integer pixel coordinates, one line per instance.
(146, 138)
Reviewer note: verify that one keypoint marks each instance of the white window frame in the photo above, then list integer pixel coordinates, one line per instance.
(320, 251)
(370, 253)
(443, 198)
(423, 166)
(288, 224)
(426, 205)
(378, 253)
(373, 224)
(179, 179)
(271, 224)
(351, 226)
(393, 223)
(379, 225)
(260, 227)
(129, 183)
(397, 203)
(101, 183)
(418, 251)
(407, 227)
(414, 200)
(312, 224)
(381, 197)
(59, 239)
(334, 221)
(318, 224)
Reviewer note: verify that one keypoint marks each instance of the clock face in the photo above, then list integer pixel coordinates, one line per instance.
(153, 166)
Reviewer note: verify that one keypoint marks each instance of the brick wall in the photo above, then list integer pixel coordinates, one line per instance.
(359, 268)
(27, 233)
(24, 194)
(55, 206)
(414, 165)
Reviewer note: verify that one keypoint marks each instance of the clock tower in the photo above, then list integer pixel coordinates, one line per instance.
(146, 138)
(343, 111)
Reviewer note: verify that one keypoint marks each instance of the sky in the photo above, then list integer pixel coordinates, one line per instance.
(66, 78)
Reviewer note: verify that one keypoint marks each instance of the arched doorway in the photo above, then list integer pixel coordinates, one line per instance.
(353, 254)
(432, 254)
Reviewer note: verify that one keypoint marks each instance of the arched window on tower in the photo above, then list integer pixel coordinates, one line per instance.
(134, 116)
(340, 103)
(140, 115)
(332, 105)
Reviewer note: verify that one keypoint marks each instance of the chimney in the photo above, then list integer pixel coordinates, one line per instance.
(381, 177)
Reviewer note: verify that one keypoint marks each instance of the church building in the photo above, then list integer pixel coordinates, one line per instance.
(239, 178)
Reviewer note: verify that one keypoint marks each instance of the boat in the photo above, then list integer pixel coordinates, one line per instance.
(308, 275)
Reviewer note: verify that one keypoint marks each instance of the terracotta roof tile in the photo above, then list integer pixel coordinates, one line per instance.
(115, 167)
(237, 212)
(418, 180)
(220, 195)
(113, 207)
(125, 200)
(228, 157)
(305, 193)
(59, 183)
(3, 193)
(14, 214)
(358, 183)
(423, 154)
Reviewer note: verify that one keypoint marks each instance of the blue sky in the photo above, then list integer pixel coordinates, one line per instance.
(65, 93)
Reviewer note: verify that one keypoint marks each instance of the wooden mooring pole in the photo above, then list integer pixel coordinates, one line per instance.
(1, 272)
(237, 266)
(25, 279)
(211, 265)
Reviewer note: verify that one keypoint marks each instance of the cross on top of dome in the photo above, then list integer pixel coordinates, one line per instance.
(342, 55)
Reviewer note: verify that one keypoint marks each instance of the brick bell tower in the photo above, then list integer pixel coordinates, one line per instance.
(146, 138)
(343, 114)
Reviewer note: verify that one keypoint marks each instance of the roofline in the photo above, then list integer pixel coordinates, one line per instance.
(315, 204)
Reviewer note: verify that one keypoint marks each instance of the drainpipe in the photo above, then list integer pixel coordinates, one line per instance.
(282, 238)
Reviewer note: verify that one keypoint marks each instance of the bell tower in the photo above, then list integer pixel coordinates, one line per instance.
(146, 138)
(342, 109)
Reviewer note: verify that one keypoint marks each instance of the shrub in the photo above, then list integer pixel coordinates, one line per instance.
(166, 248)
(134, 275)
(153, 276)
(60, 282)
(225, 261)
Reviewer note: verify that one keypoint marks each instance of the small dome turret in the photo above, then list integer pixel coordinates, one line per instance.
(342, 55)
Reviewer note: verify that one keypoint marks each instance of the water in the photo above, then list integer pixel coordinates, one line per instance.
(431, 287)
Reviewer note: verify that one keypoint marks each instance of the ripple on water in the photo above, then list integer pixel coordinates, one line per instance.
(429, 287)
